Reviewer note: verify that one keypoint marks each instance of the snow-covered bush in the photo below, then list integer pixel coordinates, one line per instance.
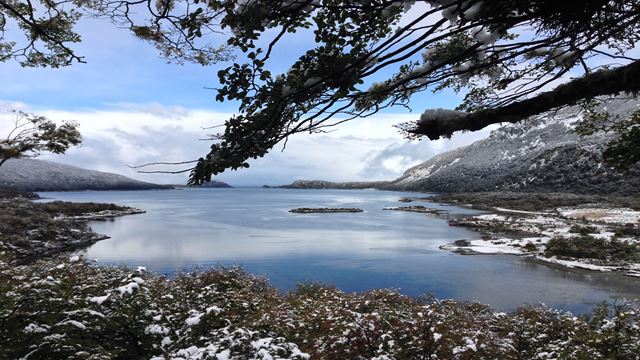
(71, 309)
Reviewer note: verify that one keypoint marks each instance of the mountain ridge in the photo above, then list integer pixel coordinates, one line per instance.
(42, 175)
(541, 153)
(538, 154)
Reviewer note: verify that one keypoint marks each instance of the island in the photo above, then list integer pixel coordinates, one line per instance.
(325, 210)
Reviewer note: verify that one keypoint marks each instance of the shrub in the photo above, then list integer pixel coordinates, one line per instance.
(54, 309)
(590, 247)
(627, 231)
(583, 229)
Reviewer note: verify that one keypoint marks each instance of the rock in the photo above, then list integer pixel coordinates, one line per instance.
(462, 242)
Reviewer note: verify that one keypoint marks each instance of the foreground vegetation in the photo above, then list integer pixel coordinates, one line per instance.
(66, 308)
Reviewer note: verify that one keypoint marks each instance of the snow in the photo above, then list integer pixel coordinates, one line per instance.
(34, 328)
(440, 115)
(453, 162)
(473, 11)
(194, 319)
(166, 341)
(88, 311)
(544, 226)
(156, 330)
(606, 215)
(491, 217)
(224, 355)
(99, 299)
(74, 258)
(484, 36)
(128, 288)
(574, 264)
(516, 211)
(311, 82)
(261, 343)
(486, 247)
(213, 309)
(470, 345)
(75, 323)
(37, 175)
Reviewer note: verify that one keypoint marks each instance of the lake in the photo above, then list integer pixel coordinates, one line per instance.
(251, 227)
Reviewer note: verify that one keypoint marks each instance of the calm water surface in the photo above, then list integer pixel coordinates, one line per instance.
(183, 229)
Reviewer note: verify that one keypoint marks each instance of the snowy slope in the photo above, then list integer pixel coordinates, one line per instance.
(540, 154)
(39, 175)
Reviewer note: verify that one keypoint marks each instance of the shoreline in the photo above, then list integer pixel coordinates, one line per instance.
(598, 236)
(34, 230)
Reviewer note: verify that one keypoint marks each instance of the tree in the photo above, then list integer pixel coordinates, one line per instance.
(42, 32)
(32, 134)
(510, 58)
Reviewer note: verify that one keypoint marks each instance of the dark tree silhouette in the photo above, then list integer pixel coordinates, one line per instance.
(510, 58)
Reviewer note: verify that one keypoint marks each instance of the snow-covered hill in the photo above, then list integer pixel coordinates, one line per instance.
(540, 154)
(39, 175)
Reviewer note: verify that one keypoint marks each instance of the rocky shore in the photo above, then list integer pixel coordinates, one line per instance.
(32, 230)
(574, 231)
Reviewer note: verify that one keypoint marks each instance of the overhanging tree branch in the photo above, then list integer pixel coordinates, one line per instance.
(603, 82)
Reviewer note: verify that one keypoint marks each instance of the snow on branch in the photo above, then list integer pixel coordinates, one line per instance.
(443, 123)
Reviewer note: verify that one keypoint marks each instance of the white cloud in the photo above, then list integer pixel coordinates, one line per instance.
(130, 134)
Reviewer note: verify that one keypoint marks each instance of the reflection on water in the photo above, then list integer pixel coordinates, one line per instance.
(183, 229)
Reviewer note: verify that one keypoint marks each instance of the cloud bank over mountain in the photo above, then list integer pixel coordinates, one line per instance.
(131, 134)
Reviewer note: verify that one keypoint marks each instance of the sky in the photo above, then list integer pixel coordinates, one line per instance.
(134, 108)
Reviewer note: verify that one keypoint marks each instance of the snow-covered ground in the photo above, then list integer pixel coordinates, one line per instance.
(529, 234)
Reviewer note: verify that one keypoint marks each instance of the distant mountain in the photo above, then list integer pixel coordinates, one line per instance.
(215, 184)
(322, 184)
(210, 185)
(539, 154)
(40, 175)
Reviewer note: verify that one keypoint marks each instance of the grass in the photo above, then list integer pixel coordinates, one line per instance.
(49, 310)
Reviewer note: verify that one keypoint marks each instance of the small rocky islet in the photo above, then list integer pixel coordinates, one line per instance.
(306, 210)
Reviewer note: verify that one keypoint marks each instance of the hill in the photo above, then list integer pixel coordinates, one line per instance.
(40, 175)
(539, 154)
(322, 184)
